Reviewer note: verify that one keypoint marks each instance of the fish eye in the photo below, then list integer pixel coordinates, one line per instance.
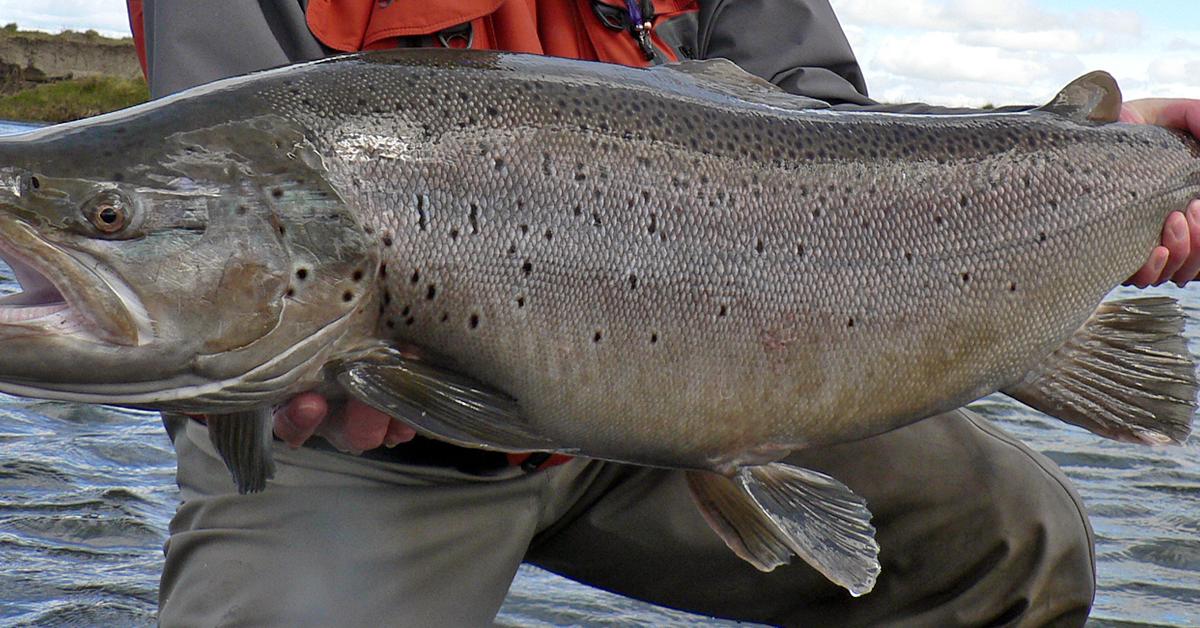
(107, 213)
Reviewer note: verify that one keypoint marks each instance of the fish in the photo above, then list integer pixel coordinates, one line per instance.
(680, 266)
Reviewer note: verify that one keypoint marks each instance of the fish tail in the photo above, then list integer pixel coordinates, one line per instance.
(1126, 374)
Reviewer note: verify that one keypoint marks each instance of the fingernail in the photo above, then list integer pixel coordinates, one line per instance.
(1179, 231)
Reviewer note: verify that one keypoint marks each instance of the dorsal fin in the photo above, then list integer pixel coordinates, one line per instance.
(726, 77)
(1093, 97)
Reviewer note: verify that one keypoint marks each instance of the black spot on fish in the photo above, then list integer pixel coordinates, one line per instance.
(422, 213)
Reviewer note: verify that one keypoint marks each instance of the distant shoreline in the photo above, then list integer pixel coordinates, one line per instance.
(65, 76)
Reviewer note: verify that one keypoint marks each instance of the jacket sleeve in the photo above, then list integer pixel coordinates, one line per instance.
(799, 46)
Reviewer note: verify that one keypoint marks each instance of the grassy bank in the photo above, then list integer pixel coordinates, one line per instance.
(73, 99)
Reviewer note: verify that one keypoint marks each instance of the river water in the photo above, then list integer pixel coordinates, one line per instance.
(86, 493)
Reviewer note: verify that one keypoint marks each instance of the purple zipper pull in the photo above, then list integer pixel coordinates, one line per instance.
(640, 26)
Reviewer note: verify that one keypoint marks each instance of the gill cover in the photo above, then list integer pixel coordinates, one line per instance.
(283, 222)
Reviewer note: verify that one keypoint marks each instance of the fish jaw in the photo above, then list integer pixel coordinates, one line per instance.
(65, 293)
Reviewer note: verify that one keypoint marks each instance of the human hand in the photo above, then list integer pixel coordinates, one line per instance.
(355, 427)
(1177, 258)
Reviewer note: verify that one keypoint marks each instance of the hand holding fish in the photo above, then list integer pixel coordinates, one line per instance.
(354, 427)
(1178, 257)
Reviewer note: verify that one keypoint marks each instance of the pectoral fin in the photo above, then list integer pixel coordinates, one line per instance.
(767, 513)
(243, 440)
(1126, 374)
(440, 403)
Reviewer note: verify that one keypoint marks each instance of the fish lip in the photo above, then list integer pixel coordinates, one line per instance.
(86, 305)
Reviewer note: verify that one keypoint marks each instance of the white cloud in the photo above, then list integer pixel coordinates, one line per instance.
(944, 14)
(941, 56)
(1056, 40)
(107, 17)
(1179, 43)
(970, 52)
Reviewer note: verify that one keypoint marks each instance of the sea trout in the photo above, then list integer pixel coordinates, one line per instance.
(679, 266)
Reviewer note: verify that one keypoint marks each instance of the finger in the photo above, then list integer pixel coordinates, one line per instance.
(1175, 237)
(365, 427)
(1150, 272)
(1191, 267)
(398, 432)
(296, 421)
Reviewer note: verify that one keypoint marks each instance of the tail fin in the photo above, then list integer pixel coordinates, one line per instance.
(1126, 374)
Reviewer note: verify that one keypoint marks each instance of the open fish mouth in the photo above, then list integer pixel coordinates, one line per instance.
(64, 293)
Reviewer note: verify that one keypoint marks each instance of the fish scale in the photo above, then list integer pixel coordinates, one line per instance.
(680, 266)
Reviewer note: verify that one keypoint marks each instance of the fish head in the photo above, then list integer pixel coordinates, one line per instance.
(186, 266)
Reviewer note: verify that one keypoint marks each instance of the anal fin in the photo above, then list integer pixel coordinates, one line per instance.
(767, 513)
(243, 440)
(441, 403)
(1126, 374)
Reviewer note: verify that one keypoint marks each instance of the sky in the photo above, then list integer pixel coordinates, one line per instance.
(952, 52)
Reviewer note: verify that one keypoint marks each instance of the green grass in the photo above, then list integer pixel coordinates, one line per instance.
(88, 36)
(73, 99)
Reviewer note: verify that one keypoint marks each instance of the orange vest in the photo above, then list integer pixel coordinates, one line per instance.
(561, 28)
